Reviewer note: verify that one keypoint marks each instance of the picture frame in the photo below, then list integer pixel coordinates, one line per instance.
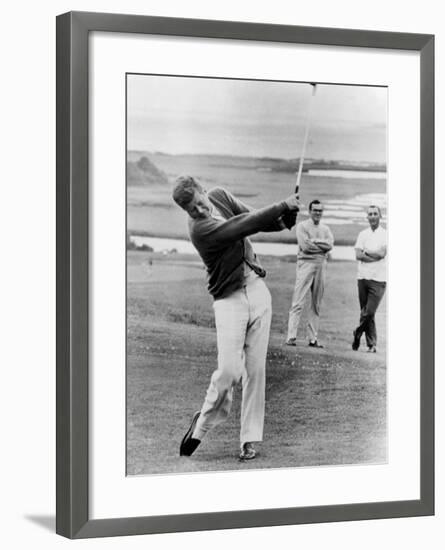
(73, 479)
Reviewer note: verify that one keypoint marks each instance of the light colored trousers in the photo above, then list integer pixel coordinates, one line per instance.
(311, 275)
(242, 330)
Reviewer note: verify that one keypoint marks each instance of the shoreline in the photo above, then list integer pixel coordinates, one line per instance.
(180, 237)
(183, 246)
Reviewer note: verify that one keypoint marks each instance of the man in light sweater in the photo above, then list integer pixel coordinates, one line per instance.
(370, 251)
(315, 240)
(219, 225)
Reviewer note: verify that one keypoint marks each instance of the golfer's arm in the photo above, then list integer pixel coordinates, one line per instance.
(246, 224)
(239, 207)
(275, 225)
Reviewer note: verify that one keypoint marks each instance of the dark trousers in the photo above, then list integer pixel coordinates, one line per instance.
(370, 293)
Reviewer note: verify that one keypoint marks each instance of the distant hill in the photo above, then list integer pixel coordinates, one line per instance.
(266, 164)
(143, 172)
(291, 165)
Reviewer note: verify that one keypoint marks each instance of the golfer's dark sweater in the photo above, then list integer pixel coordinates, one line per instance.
(223, 245)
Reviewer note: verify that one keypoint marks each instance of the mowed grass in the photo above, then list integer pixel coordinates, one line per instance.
(323, 407)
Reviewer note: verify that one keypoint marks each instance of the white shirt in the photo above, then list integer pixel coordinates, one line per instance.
(372, 241)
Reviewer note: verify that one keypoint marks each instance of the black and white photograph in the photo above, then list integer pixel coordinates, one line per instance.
(198, 349)
(256, 273)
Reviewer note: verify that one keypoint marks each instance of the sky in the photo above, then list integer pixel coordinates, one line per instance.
(255, 118)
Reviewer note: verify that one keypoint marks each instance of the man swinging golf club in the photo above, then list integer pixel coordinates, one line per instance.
(219, 225)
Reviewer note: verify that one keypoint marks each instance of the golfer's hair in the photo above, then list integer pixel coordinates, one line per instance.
(374, 206)
(184, 190)
(315, 201)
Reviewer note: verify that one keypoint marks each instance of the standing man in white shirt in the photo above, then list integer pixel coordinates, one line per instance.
(315, 240)
(370, 251)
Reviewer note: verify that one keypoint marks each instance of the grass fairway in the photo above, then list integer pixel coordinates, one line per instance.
(323, 407)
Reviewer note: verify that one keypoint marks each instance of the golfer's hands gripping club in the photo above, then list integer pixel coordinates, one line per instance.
(293, 203)
(288, 220)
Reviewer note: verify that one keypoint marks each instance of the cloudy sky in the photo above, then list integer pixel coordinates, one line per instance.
(254, 118)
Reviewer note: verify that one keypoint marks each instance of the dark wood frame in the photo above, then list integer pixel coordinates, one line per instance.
(72, 273)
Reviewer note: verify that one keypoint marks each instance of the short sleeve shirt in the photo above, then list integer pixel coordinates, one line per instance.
(372, 241)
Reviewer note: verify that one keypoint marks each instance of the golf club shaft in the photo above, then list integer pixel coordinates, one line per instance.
(305, 140)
